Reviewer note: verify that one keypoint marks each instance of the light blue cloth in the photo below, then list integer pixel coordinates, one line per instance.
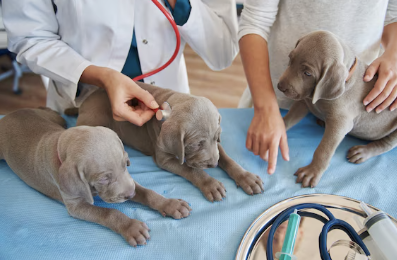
(33, 226)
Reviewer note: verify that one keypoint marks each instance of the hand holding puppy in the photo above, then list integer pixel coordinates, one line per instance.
(384, 93)
(121, 90)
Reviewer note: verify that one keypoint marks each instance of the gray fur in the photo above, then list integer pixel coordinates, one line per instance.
(74, 165)
(185, 144)
(339, 103)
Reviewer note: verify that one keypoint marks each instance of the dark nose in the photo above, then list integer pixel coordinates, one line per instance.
(212, 165)
(281, 87)
(130, 196)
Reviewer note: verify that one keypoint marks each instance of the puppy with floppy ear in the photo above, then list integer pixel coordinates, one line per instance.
(325, 77)
(171, 140)
(185, 144)
(331, 84)
(76, 164)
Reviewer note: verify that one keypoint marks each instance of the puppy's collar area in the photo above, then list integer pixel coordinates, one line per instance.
(352, 69)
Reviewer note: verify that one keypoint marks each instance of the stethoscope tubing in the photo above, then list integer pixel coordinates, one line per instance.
(331, 224)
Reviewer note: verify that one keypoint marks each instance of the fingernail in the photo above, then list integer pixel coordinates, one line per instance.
(366, 103)
(154, 104)
(378, 111)
(367, 78)
(287, 157)
(369, 110)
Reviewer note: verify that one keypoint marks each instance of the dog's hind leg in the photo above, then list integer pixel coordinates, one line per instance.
(361, 153)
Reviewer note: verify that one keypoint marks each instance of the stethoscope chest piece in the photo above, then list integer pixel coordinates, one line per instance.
(164, 112)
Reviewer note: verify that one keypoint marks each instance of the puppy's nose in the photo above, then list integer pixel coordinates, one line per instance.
(281, 87)
(212, 165)
(130, 196)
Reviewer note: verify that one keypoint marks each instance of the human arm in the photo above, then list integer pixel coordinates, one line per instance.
(32, 29)
(267, 130)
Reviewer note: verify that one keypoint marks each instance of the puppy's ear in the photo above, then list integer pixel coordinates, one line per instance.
(71, 179)
(171, 140)
(296, 45)
(73, 184)
(127, 159)
(331, 84)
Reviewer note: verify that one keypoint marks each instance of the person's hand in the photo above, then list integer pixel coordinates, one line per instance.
(384, 93)
(121, 90)
(265, 135)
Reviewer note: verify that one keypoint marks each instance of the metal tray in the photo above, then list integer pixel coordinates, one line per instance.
(252, 246)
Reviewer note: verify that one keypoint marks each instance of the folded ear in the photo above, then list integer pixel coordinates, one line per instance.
(73, 184)
(127, 158)
(171, 140)
(71, 179)
(331, 84)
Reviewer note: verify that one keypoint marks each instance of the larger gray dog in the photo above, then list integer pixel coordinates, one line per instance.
(325, 78)
(74, 165)
(185, 144)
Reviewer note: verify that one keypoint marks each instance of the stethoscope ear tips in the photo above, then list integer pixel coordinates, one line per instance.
(164, 112)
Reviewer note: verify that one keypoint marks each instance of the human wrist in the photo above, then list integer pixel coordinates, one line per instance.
(391, 52)
(98, 76)
(267, 103)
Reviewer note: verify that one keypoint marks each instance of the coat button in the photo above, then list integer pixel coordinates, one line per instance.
(145, 41)
(152, 82)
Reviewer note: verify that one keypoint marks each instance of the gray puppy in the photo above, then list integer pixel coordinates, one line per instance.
(74, 165)
(185, 144)
(325, 78)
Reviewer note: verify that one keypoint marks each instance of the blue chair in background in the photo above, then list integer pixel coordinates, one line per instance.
(17, 69)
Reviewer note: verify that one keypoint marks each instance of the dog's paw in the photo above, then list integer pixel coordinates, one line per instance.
(175, 208)
(213, 190)
(309, 176)
(136, 233)
(359, 154)
(250, 183)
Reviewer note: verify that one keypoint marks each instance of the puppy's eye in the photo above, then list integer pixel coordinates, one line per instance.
(307, 73)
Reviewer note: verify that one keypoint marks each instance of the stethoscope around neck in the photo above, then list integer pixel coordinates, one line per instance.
(330, 224)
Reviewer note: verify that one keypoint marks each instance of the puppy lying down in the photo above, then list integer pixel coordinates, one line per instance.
(74, 165)
(325, 77)
(185, 144)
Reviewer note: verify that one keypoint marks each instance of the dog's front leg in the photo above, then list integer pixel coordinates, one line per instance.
(211, 188)
(250, 183)
(335, 131)
(175, 208)
(134, 231)
(296, 113)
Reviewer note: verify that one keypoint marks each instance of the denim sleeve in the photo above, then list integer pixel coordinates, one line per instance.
(181, 11)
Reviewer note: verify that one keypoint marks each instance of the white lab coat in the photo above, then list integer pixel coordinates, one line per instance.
(99, 32)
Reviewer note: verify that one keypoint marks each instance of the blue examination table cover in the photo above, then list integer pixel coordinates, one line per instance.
(33, 226)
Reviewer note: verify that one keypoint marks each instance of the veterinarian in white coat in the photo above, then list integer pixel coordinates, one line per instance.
(79, 44)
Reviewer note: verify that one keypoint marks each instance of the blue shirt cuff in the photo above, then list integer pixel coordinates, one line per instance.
(181, 11)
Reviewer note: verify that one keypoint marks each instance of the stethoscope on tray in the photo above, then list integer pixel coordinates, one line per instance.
(330, 224)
